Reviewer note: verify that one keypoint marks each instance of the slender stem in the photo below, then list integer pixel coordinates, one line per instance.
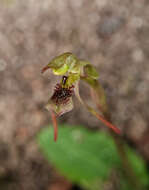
(54, 125)
(120, 145)
(127, 168)
(100, 101)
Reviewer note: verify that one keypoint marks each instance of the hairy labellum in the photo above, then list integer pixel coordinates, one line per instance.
(62, 95)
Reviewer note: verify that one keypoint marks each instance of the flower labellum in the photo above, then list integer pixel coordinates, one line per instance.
(60, 102)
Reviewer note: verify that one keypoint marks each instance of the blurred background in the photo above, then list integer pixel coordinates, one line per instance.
(112, 35)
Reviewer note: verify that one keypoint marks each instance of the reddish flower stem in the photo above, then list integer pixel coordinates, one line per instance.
(54, 125)
(108, 124)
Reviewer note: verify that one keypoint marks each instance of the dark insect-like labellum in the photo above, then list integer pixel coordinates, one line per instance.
(62, 94)
(60, 102)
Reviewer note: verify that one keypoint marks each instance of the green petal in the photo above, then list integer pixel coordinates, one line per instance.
(90, 71)
(59, 61)
(83, 63)
(73, 64)
(61, 71)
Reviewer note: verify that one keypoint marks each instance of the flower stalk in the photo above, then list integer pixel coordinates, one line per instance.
(53, 116)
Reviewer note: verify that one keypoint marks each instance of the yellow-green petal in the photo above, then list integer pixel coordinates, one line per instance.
(91, 72)
(61, 71)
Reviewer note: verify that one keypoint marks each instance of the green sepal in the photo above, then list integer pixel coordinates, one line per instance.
(91, 72)
(59, 61)
(99, 94)
(61, 71)
(83, 63)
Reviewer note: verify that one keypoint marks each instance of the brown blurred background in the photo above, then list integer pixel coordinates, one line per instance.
(112, 35)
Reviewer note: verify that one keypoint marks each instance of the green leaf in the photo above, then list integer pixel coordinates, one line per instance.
(138, 166)
(87, 158)
(84, 157)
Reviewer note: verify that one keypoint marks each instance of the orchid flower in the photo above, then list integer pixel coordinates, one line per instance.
(72, 71)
